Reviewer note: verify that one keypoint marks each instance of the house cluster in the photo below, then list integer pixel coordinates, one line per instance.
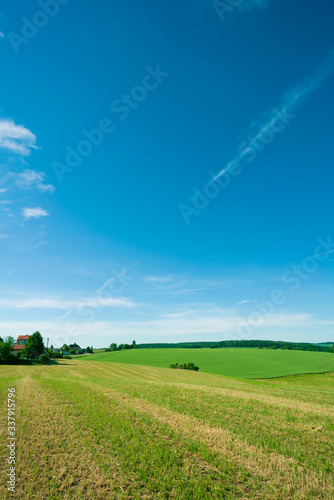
(73, 347)
(22, 340)
(20, 344)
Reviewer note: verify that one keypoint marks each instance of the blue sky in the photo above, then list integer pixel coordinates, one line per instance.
(167, 170)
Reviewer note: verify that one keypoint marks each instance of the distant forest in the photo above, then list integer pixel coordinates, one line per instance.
(261, 344)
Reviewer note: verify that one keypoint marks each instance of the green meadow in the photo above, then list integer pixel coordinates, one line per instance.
(237, 362)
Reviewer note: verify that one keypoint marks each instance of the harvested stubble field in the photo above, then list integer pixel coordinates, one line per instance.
(94, 430)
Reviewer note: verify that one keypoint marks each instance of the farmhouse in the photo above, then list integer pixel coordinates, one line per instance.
(73, 347)
(20, 344)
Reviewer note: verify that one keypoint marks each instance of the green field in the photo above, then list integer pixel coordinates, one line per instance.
(94, 430)
(239, 362)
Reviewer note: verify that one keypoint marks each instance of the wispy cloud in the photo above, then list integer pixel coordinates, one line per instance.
(16, 138)
(81, 271)
(179, 314)
(320, 255)
(30, 178)
(2, 35)
(63, 304)
(34, 213)
(190, 290)
(158, 279)
(167, 282)
(289, 102)
(177, 329)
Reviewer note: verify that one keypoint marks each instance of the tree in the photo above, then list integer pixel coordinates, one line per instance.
(34, 346)
(88, 350)
(113, 347)
(65, 348)
(6, 349)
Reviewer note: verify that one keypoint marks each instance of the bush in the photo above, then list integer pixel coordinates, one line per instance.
(185, 366)
(56, 355)
(44, 359)
(67, 357)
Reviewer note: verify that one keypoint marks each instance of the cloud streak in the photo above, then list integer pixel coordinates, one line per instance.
(272, 120)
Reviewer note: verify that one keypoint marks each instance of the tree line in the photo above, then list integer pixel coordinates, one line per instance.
(121, 347)
(261, 344)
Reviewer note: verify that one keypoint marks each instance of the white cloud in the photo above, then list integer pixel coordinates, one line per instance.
(31, 178)
(190, 290)
(63, 304)
(16, 138)
(2, 35)
(34, 213)
(3, 190)
(167, 282)
(179, 315)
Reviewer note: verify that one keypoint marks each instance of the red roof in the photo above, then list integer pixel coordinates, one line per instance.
(18, 347)
(22, 337)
